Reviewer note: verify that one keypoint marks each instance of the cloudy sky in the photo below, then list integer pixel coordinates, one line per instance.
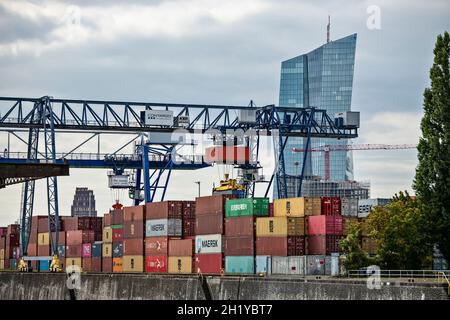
(217, 52)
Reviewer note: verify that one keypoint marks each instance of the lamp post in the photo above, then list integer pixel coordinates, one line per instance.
(198, 182)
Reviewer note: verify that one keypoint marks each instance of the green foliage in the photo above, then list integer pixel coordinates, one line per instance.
(398, 229)
(432, 181)
(355, 257)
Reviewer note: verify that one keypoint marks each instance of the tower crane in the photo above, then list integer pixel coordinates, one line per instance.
(326, 149)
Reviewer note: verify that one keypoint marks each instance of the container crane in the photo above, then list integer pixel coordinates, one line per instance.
(326, 149)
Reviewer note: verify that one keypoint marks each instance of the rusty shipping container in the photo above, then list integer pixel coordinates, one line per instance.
(240, 226)
(323, 244)
(164, 210)
(188, 227)
(211, 205)
(134, 213)
(209, 263)
(3, 231)
(239, 246)
(188, 209)
(13, 229)
(296, 246)
(32, 249)
(96, 264)
(74, 251)
(116, 217)
(61, 238)
(296, 226)
(182, 247)
(107, 220)
(43, 250)
(117, 233)
(81, 236)
(106, 264)
(271, 246)
(156, 246)
(331, 206)
(86, 264)
(133, 247)
(134, 229)
(43, 225)
(37, 221)
(209, 224)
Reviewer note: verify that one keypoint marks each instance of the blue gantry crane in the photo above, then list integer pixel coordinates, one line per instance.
(158, 129)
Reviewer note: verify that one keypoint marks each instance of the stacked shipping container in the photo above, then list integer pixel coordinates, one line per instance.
(133, 242)
(107, 243)
(240, 233)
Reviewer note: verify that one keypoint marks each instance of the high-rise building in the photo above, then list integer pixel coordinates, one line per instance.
(322, 78)
(83, 203)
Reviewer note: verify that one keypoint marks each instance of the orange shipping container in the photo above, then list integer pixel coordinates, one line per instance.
(155, 246)
(181, 247)
(117, 265)
(135, 213)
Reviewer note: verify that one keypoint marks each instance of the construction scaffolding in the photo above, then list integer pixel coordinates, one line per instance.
(314, 186)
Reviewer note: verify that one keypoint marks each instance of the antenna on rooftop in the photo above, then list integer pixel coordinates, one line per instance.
(328, 29)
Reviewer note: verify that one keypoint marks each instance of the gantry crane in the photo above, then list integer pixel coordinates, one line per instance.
(48, 116)
(326, 149)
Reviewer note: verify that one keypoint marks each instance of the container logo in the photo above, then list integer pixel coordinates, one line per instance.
(210, 243)
(158, 227)
(238, 207)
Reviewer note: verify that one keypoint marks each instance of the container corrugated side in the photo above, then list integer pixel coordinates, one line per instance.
(271, 226)
(289, 207)
(180, 264)
(133, 263)
(263, 265)
(239, 264)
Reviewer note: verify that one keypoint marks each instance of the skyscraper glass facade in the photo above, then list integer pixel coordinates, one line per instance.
(322, 78)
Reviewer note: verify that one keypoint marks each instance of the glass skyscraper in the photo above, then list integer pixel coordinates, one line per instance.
(322, 78)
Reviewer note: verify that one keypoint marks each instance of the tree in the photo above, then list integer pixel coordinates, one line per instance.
(398, 231)
(432, 181)
(355, 257)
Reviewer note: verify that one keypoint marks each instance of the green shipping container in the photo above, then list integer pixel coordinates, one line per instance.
(247, 207)
(239, 264)
(117, 226)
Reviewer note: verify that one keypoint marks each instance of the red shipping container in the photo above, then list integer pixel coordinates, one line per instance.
(227, 154)
(323, 245)
(87, 250)
(240, 246)
(13, 229)
(240, 226)
(188, 209)
(133, 230)
(164, 210)
(209, 224)
(117, 217)
(43, 224)
(74, 251)
(12, 240)
(211, 205)
(43, 250)
(209, 263)
(271, 246)
(156, 246)
(81, 236)
(135, 213)
(117, 234)
(3, 231)
(271, 209)
(133, 247)
(86, 264)
(188, 227)
(296, 246)
(33, 236)
(96, 264)
(331, 206)
(61, 238)
(325, 225)
(180, 248)
(156, 264)
(32, 249)
(106, 264)
(106, 220)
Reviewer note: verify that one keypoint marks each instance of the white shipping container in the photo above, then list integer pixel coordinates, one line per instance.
(211, 243)
(158, 118)
(292, 265)
(349, 118)
(318, 265)
(156, 228)
(264, 265)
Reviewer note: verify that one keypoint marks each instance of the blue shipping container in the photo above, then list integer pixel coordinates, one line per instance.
(13, 264)
(240, 264)
(44, 265)
(264, 264)
(61, 251)
(96, 249)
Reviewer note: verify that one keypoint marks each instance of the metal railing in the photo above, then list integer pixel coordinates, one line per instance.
(443, 276)
(400, 274)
